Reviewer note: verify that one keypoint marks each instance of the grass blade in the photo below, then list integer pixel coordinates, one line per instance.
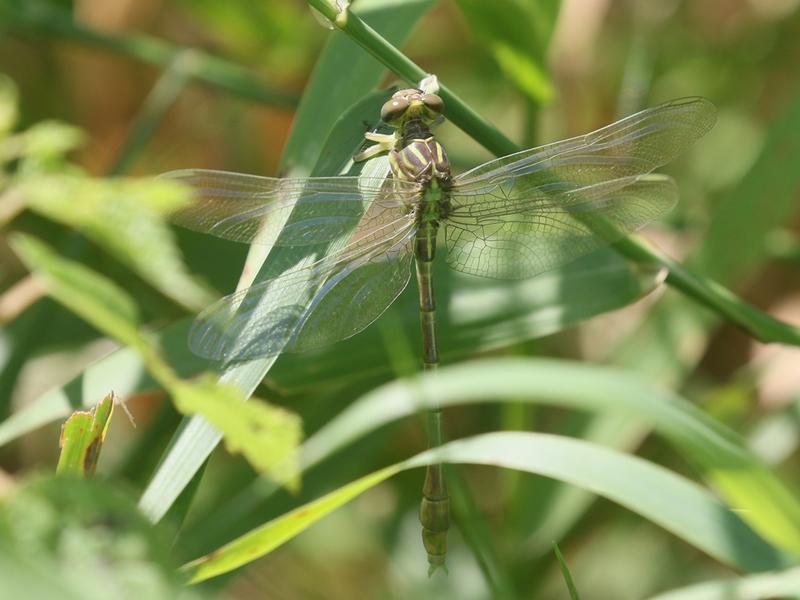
(573, 591)
(681, 506)
(718, 452)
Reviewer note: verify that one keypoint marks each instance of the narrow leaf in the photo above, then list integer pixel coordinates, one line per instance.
(681, 506)
(573, 591)
(718, 452)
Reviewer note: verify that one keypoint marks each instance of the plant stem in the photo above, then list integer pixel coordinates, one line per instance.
(709, 293)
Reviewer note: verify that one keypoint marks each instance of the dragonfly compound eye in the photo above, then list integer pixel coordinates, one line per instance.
(393, 110)
(433, 103)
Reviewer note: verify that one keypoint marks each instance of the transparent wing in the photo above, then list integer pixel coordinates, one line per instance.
(631, 146)
(236, 206)
(510, 237)
(532, 211)
(313, 306)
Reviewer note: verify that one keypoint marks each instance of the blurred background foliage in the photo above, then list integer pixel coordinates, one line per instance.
(93, 89)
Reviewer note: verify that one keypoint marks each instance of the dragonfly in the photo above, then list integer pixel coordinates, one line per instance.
(509, 218)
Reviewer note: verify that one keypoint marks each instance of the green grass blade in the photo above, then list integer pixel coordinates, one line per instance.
(573, 591)
(681, 506)
(718, 452)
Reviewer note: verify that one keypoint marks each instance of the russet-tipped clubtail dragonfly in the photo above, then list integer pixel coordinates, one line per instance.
(509, 218)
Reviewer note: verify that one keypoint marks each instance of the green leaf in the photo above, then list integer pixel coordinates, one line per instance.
(126, 217)
(517, 33)
(50, 140)
(89, 295)
(82, 438)
(267, 436)
(746, 484)
(767, 586)
(680, 506)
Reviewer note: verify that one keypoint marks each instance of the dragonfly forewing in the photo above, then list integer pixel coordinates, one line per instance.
(297, 212)
(631, 146)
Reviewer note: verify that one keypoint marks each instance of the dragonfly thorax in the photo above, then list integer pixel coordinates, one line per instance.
(421, 160)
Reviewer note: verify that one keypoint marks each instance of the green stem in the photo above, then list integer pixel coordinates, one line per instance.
(707, 292)
(217, 72)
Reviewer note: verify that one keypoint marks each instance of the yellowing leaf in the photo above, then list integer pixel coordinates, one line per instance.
(82, 437)
(267, 436)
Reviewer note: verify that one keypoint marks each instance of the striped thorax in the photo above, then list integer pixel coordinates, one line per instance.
(417, 156)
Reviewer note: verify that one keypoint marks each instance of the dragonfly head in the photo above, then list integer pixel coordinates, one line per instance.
(411, 103)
